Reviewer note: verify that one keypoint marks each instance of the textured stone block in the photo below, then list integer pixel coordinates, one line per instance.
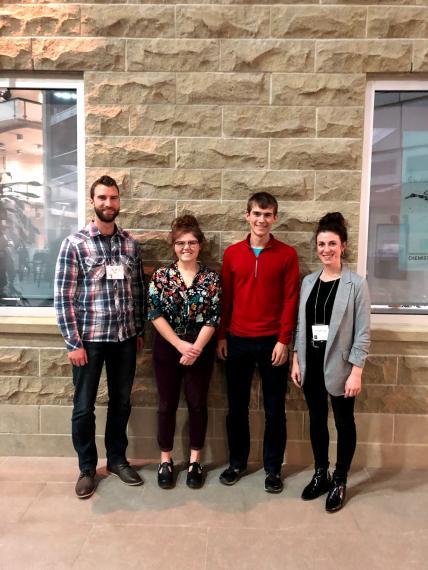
(303, 216)
(420, 55)
(41, 20)
(356, 56)
(155, 247)
(19, 361)
(36, 390)
(284, 185)
(397, 22)
(174, 184)
(128, 21)
(222, 88)
(170, 120)
(15, 54)
(267, 55)
(73, 54)
(340, 122)
(259, 122)
(222, 153)
(409, 428)
(393, 399)
(380, 370)
(338, 185)
(172, 55)
(54, 363)
(318, 22)
(134, 88)
(318, 89)
(19, 419)
(121, 176)
(323, 154)
(222, 22)
(222, 217)
(107, 120)
(412, 370)
(150, 214)
(130, 152)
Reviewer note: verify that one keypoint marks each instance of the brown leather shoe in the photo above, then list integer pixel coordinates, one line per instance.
(85, 485)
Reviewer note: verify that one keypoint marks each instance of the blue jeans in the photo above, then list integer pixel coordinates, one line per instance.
(120, 361)
(243, 355)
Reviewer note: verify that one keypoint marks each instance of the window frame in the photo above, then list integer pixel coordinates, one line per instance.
(35, 81)
(372, 86)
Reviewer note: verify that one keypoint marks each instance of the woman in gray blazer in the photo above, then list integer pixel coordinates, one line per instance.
(331, 346)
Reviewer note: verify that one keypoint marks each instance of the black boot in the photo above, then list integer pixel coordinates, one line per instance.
(319, 484)
(336, 495)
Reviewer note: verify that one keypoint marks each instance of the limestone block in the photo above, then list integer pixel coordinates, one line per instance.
(318, 22)
(318, 89)
(54, 363)
(413, 370)
(284, 185)
(322, 154)
(130, 152)
(172, 55)
(222, 153)
(380, 370)
(144, 391)
(171, 120)
(19, 361)
(420, 55)
(337, 122)
(134, 88)
(222, 88)
(155, 246)
(36, 445)
(363, 56)
(222, 22)
(174, 184)
(73, 54)
(107, 120)
(303, 216)
(337, 185)
(121, 176)
(259, 122)
(36, 390)
(41, 20)
(397, 22)
(128, 21)
(374, 428)
(19, 419)
(393, 399)
(267, 55)
(147, 214)
(216, 217)
(409, 428)
(15, 54)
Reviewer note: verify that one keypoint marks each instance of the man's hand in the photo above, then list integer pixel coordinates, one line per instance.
(222, 349)
(140, 343)
(279, 354)
(78, 357)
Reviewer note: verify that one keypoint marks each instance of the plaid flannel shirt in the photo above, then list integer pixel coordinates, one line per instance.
(89, 306)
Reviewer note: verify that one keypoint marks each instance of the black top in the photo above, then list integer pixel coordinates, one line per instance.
(319, 308)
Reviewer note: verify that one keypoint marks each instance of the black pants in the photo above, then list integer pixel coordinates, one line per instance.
(120, 360)
(243, 355)
(343, 410)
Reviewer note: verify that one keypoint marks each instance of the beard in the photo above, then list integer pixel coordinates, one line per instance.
(106, 216)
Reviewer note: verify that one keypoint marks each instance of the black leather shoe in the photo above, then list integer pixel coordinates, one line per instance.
(319, 484)
(166, 475)
(336, 497)
(231, 475)
(273, 483)
(195, 478)
(126, 474)
(85, 485)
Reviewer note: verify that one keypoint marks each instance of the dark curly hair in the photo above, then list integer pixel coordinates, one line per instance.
(183, 225)
(333, 222)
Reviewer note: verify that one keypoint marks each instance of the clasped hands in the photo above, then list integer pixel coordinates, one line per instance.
(189, 352)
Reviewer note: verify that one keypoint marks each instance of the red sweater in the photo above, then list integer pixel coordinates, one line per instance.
(259, 294)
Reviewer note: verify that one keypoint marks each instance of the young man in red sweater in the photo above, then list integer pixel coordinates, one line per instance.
(260, 284)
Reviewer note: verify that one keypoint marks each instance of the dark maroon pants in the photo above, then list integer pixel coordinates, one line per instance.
(170, 374)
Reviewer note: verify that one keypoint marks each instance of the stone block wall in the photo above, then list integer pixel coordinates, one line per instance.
(193, 106)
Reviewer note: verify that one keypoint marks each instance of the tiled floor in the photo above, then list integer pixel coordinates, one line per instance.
(384, 524)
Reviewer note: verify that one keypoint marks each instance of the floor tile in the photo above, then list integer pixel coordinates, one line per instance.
(16, 498)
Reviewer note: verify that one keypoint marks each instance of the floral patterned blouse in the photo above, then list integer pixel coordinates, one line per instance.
(185, 307)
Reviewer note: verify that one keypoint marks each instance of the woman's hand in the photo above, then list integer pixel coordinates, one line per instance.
(185, 361)
(295, 372)
(187, 349)
(353, 383)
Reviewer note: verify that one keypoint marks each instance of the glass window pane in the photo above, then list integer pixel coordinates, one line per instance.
(397, 257)
(38, 190)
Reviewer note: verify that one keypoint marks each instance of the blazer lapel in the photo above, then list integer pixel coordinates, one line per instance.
(339, 307)
(310, 280)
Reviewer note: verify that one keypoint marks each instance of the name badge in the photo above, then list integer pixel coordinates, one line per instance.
(319, 332)
(115, 272)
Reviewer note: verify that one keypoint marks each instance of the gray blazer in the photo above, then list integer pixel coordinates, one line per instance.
(349, 333)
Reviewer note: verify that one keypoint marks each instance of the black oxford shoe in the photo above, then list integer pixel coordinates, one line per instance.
(336, 497)
(126, 474)
(195, 477)
(166, 475)
(85, 485)
(319, 484)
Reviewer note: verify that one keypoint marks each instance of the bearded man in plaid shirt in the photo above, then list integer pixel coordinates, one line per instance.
(99, 303)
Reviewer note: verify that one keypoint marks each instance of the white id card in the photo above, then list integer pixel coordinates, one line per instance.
(115, 272)
(319, 332)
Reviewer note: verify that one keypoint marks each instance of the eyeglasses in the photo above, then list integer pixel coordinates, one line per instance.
(182, 244)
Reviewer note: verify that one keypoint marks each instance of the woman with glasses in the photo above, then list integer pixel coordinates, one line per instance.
(184, 306)
(332, 343)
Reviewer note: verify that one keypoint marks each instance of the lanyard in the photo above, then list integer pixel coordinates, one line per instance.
(326, 301)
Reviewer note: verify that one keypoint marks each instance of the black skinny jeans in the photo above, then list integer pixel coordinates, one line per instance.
(343, 410)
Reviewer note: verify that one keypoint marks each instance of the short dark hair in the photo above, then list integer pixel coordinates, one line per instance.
(183, 225)
(105, 180)
(263, 200)
(333, 222)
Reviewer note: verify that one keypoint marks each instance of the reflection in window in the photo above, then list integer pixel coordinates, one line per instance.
(38, 190)
(397, 259)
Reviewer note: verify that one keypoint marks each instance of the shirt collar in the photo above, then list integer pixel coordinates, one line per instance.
(269, 243)
(93, 230)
